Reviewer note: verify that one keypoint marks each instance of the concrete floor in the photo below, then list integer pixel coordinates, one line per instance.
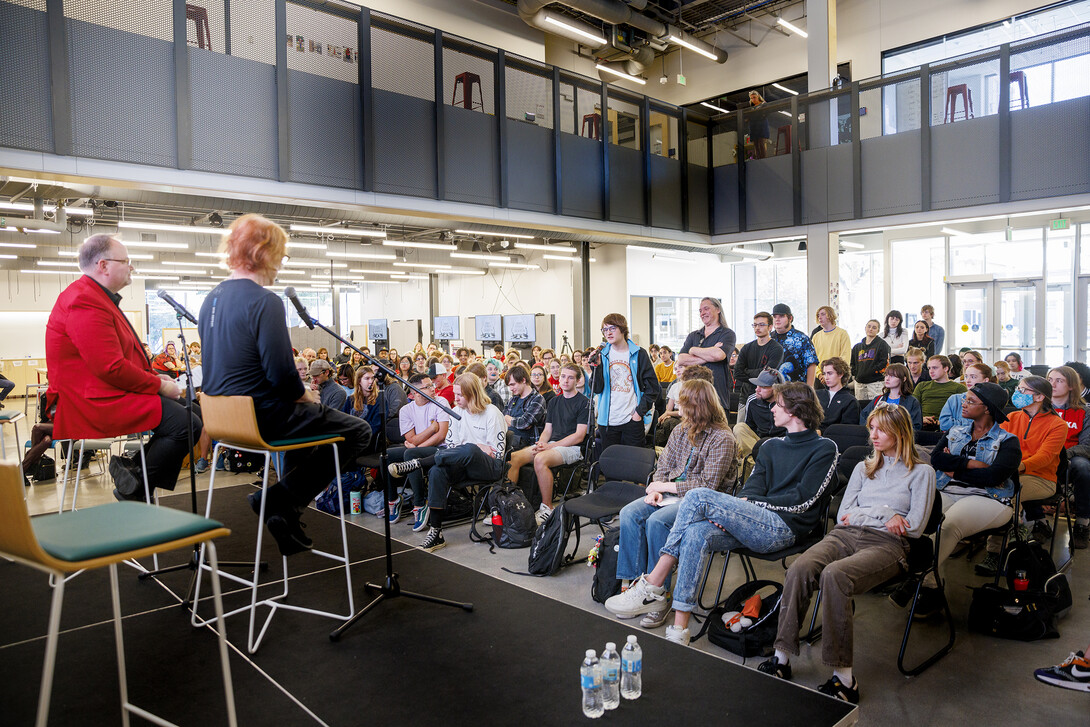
(983, 679)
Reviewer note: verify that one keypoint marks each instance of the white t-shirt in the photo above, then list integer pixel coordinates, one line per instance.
(414, 417)
(488, 428)
(622, 390)
(674, 392)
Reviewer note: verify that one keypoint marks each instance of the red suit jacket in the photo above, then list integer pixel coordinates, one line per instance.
(97, 367)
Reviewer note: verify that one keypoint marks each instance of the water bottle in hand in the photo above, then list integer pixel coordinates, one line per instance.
(611, 676)
(590, 675)
(631, 669)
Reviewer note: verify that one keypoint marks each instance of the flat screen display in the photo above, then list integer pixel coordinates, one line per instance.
(520, 328)
(447, 328)
(377, 330)
(488, 328)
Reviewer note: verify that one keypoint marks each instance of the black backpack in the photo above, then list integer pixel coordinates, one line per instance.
(605, 582)
(756, 639)
(550, 542)
(517, 530)
(235, 460)
(459, 505)
(997, 609)
(45, 469)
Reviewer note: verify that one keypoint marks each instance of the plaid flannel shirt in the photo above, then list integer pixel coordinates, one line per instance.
(713, 462)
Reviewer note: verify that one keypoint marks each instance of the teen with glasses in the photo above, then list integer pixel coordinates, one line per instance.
(756, 356)
(626, 386)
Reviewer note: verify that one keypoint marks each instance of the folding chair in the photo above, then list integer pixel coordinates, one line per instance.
(627, 471)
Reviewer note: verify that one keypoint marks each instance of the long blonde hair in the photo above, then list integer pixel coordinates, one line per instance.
(897, 422)
(700, 408)
(473, 391)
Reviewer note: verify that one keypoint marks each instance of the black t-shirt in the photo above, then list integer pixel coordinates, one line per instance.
(720, 369)
(246, 350)
(566, 414)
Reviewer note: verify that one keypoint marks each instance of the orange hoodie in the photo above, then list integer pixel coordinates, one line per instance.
(1041, 439)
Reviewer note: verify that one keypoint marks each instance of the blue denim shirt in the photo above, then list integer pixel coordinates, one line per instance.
(986, 449)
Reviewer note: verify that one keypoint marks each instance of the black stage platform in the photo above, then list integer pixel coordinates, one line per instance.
(516, 656)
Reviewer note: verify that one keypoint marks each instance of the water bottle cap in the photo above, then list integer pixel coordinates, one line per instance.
(632, 639)
(610, 646)
(590, 653)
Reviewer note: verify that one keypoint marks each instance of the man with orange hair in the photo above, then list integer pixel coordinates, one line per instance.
(247, 352)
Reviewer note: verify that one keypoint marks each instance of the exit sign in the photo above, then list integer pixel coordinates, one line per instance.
(1060, 224)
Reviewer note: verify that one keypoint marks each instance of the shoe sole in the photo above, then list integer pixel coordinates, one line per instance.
(434, 548)
(639, 611)
(648, 623)
(683, 642)
(125, 481)
(1063, 683)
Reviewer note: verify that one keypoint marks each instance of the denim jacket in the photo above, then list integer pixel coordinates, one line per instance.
(986, 449)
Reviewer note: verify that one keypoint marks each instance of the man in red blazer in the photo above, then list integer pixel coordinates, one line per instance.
(104, 382)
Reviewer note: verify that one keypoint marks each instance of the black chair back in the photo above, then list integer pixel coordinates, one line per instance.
(849, 458)
(622, 463)
(847, 435)
(926, 438)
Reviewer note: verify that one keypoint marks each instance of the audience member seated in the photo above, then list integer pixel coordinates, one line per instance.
(561, 440)
(423, 425)
(554, 374)
(950, 416)
(869, 359)
(368, 402)
(1014, 360)
(6, 385)
(840, 405)
(525, 412)
(968, 358)
(896, 336)
(829, 339)
(539, 380)
(345, 356)
(494, 380)
(760, 421)
(477, 369)
(670, 415)
(1084, 377)
(330, 393)
(1068, 402)
(309, 354)
(922, 340)
(756, 356)
(898, 392)
(443, 385)
(933, 394)
(346, 378)
(888, 498)
(778, 504)
(167, 363)
(699, 453)
(916, 361)
(1003, 378)
(473, 450)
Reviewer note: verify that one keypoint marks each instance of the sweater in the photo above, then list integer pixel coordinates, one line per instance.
(759, 418)
(828, 344)
(487, 428)
(1077, 419)
(791, 476)
(840, 408)
(933, 395)
(1041, 438)
(869, 360)
(894, 490)
(898, 345)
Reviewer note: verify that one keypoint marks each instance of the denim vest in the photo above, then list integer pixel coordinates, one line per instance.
(986, 448)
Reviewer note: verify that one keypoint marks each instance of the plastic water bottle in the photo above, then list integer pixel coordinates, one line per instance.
(632, 669)
(611, 676)
(590, 675)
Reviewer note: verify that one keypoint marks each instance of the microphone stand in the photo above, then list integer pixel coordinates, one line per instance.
(391, 587)
(190, 396)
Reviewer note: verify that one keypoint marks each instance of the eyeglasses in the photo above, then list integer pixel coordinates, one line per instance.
(606, 330)
(760, 325)
(115, 260)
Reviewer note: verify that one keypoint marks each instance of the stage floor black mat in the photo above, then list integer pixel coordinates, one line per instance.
(516, 656)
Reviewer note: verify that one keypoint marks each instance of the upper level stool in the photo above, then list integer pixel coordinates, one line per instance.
(783, 134)
(952, 95)
(94, 538)
(199, 16)
(595, 122)
(1018, 79)
(467, 80)
(232, 422)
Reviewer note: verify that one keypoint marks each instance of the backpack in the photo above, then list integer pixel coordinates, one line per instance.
(755, 639)
(326, 501)
(517, 527)
(45, 469)
(235, 460)
(997, 609)
(459, 505)
(550, 542)
(605, 582)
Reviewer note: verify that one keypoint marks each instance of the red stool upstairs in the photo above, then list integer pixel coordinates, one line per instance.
(952, 94)
(466, 81)
(199, 16)
(595, 122)
(1018, 78)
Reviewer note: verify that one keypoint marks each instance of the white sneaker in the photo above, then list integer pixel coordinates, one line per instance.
(678, 636)
(641, 597)
(654, 619)
(544, 512)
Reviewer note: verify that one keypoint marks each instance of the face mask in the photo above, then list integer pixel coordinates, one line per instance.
(1021, 400)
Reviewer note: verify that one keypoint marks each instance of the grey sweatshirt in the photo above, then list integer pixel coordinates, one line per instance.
(894, 490)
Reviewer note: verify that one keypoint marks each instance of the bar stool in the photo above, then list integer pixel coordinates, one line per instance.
(232, 422)
(466, 81)
(199, 16)
(36, 388)
(127, 444)
(595, 121)
(952, 95)
(94, 538)
(783, 133)
(1018, 78)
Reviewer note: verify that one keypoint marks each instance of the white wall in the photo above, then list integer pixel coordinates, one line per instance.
(608, 287)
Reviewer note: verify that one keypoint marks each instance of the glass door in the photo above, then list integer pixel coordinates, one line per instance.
(1082, 334)
(1016, 321)
(970, 317)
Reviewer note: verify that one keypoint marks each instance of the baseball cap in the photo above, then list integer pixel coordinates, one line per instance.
(781, 309)
(768, 377)
(992, 396)
(318, 365)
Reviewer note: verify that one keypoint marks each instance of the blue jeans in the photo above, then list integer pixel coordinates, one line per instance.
(708, 521)
(6, 385)
(644, 530)
(416, 477)
(466, 462)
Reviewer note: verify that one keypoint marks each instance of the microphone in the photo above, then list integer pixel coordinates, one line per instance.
(289, 292)
(178, 307)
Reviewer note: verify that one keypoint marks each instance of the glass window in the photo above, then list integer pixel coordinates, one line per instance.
(917, 273)
(759, 286)
(1084, 254)
(1059, 254)
(663, 134)
(674, 319)
(991, 252)
(1059, 318)
(163, 321)
(624, 123)
(861, 291)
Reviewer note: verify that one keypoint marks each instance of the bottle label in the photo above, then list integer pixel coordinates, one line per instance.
(631, 666)
(588, 681)
(611, 674)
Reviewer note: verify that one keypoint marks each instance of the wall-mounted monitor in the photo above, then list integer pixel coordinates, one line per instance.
(377, 330)
(447, 328)
(488, 328)
(520, 328)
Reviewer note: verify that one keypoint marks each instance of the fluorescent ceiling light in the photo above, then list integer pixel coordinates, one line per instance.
(19, 226)
(750, 253)
(481, 256)
(335, 230)
(546, 248)
(373, 271)
(460, 272)
(854, 245)
(573, 28)
(620, 74)
(58, 264)
(338, 278)
(9, 257)
(785, 88)
(516, 266)
(132, 256)
(194, 229)
(156, 245)
(793, 28)
(27, 207)
(785, 113)
(510, 235)
(407, 276)
(566, 258)
(696, 49)
(211, 254)
(47, 271)
(306, 264)
(307, 245)
(175, 262)
(789, 238)
(292, 272)
(421, 245)
(176, 271)
(24, 245)
(951, 231)
(384, 282)
(713, 107)
(155, 277)
(422, 265)
(362, 255)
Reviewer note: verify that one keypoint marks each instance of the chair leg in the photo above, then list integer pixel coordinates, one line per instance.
(115, 598)
(50, 650)
(79, 471)
(217, 595)
(943, 651)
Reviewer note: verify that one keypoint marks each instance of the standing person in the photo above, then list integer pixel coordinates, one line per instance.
(840, 405)
(473, 450)
(888, 498)
(104, 382)
(799, 358)
(922, 340)
(247, 352)
(869, 359)
(758, 126)
(896, 336)
(896, 392)
(626, 386)
(937, 332)
(829, 339)
(1068, 403)
(933, 394)
(756, 356)
(711, 346)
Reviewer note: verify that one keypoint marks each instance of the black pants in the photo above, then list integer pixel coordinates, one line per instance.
(308, 471)
(169, 444)
(629, 433)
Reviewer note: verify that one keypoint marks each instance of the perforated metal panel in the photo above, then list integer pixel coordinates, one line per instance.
(626, 185)
(1047, 73)
(468, 79)
(530, 171)
(726, 199)
(891, 174)
(329, 44)
(529, 90)
(253, 30)
(724, 144)
(116, 115)
(587, 103)
(665, 185)
(206, 25)
(965, 93)
(26, 117)
(324, 131)
(566, 112)
(401, 62)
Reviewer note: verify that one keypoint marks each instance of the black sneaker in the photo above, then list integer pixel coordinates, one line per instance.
(400, 469)
(289, 535)
(1041, 532)
(134, 497)
(434, 541)
(928, 604)
(775, 668)
(835, 688)
(989, 565)
(125, 480)
(902, 595)
(276, 504)
(1080, 536)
